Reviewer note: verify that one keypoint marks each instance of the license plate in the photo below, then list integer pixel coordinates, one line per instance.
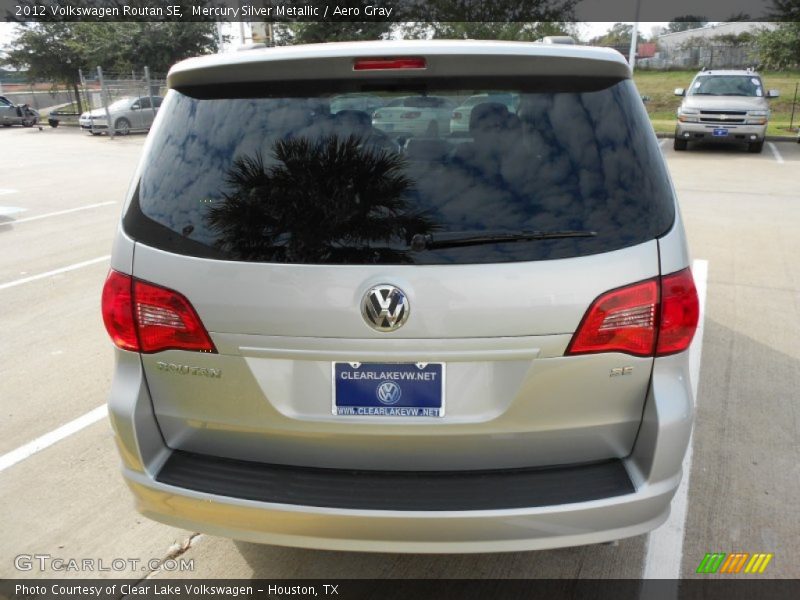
(720, 132)
(388, 389)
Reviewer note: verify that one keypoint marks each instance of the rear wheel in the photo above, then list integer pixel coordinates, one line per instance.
(680, 144)
(755, 147)
(123, 126)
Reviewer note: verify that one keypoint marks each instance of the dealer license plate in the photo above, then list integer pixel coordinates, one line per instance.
(388, 389)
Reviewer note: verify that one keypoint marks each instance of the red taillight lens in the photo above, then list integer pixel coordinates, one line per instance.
(378, 64)
(117, 306)
(410, 115)
(654, 317)
(680, 311)
(622, 320)
(143, 317)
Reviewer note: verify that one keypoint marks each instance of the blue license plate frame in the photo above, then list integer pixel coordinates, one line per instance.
(385, 389)
(720, 132)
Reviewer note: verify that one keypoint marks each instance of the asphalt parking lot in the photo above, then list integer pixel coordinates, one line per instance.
(60, 199)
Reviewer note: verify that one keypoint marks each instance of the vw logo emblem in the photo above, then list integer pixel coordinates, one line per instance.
(385, 307)
(389, 392)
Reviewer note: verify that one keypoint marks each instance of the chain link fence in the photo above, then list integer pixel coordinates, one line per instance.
(120, 103)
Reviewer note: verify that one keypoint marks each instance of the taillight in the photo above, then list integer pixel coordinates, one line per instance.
(143, 317)
(379, 64)
(680, 311)
(414, 114)
(117, 305)
(654, 317)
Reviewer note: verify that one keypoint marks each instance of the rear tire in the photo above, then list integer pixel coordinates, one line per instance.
(122, 126)
(755, 147)
(680, 145)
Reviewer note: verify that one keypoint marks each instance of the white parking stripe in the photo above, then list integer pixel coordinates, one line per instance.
(661, 142)
(46, 274)
(62, 212)
(665, 544)
(48, 439)
(775, 152)
(4, 191)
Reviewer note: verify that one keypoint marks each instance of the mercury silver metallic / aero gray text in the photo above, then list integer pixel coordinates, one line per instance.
(297, 294)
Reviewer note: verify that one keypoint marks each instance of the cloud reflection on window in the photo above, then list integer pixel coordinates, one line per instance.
(557, 161)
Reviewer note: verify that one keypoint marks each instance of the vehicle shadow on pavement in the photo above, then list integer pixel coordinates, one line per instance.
(595, 561)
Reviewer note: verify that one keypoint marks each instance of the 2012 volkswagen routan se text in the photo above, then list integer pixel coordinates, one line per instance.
(332, 336)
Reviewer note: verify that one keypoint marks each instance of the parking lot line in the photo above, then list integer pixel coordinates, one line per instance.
(4, 191)
(665, 544)
(62, 212)
(775, 152)
(48, 439)
(46, 274)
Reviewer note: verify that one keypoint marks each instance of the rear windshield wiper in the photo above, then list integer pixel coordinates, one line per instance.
(429, 241)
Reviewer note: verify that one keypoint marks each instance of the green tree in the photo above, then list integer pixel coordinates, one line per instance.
(686, 22)
(50, 52)
(785, 10)
(330, 31)
(514, 31)
(53, 51)
(779, 48)
(618, 35)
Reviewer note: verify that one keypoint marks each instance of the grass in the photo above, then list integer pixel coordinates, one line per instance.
(659, 86)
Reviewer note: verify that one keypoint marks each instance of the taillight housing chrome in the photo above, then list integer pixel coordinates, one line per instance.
(656, 317)
(147, 318)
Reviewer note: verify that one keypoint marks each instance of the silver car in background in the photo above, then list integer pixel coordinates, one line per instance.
(464, 343)
(459, 120)
(415, 115)
(127, 115)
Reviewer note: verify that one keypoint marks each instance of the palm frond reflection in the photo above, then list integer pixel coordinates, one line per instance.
(331, 200)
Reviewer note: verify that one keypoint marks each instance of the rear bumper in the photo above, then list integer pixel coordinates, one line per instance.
(405, 531)
(742, 134)
(629, 498)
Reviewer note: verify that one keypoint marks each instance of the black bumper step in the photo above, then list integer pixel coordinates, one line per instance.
(396, 490)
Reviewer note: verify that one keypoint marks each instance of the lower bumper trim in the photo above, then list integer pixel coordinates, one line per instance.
(396, 490)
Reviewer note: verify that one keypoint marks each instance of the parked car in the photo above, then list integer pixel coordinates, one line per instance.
(724, 107)
(468, 344)
(13, 114)
(415, 116)
(127, 115)
(364, 102)
(459, 120)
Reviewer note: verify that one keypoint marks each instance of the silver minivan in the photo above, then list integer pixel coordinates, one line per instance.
(329, 336)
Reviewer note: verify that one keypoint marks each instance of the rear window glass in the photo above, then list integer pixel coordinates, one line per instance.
(289, 173)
